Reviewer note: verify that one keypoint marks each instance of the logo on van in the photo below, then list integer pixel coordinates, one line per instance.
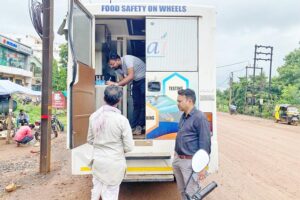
(157, 48)
(173, 83)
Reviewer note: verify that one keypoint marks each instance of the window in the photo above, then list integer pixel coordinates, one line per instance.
(82, 34)
(19, 81)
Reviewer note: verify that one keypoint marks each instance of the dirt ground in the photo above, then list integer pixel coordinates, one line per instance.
(258, 159)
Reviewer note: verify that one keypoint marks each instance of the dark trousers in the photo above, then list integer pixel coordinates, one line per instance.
(25, 140)
(138, 97)
(22, 122)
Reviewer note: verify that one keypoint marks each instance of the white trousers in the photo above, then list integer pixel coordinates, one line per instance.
(107, 192)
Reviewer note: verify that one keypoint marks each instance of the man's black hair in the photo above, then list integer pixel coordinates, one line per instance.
(112, 94)
(189, 93)
(113, 56)
(31, 126)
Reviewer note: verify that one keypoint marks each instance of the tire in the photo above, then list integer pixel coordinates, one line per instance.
(55, 133)
(55, 130)
(295, 123)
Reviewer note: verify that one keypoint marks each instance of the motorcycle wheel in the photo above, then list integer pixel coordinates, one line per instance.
(55, 133)
(295, 123)
(55, 130)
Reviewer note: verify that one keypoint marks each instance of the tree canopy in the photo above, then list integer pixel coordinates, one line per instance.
(285, 88)
(59, 69)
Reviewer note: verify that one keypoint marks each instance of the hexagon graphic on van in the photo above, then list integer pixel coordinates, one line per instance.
(152, 118)
(173, 83)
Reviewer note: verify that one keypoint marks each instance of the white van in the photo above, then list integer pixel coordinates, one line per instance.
(176, 41)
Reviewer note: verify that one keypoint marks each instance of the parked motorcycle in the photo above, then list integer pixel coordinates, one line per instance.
(232, 109)
(56, 122)
(26, 100)
(4, 123)
(56, 127)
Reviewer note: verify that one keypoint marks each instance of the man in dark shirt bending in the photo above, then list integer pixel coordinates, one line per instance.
(193, 134)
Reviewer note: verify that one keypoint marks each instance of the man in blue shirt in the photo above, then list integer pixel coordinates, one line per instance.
(22, 118)
(193, 134)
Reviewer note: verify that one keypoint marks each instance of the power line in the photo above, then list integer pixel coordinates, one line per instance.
(36, 16)
(232, 64)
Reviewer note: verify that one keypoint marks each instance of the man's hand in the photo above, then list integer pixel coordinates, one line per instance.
(111, 83)
(202, 175)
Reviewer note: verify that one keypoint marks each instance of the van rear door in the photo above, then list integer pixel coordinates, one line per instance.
(81, 77)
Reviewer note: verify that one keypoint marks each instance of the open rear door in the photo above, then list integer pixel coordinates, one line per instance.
(81, 77)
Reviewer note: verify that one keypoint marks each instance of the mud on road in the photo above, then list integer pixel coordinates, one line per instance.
(258, 159)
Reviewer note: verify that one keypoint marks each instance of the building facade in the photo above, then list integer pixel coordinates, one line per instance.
(15, 61)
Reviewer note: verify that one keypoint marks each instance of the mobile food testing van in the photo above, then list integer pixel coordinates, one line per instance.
(176, 41)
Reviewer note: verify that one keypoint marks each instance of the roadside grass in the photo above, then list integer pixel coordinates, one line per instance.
(34, 112)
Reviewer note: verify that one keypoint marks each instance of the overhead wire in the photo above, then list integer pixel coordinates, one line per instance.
(228, 65)
(36, 15)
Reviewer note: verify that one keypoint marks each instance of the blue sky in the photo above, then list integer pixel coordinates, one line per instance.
(240, 25)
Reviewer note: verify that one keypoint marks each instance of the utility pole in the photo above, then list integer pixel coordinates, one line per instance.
(268, 53)
(46, 86)
(253, 86)
(254, 66)
(246, 90)
(270, 74)
(230, 90)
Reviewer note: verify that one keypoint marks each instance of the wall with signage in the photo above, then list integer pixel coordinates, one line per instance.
(13, 54)
(12, 58)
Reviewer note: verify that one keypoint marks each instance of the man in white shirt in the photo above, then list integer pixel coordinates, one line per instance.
(110, 134)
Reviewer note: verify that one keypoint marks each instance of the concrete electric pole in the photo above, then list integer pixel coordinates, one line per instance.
(46, 86)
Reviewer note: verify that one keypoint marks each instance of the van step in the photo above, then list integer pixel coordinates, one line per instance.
(147, 156)
(142, 136)
(148, 178)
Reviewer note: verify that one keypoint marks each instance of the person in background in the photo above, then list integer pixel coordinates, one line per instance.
(193, 134)
(22, 118)
(24, 135)
(131, 68)
(110, 134)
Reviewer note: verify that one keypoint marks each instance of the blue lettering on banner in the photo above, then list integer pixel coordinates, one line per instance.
(172, 8)
(152, 8)
(133, 8)
(110, 8)
(143, 8)
(9, 43)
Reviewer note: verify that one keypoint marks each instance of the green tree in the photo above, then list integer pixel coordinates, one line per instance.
(222, 100)
(290, 95)
(285, 88)
(59, 70)
(63, 54)
(289, 73)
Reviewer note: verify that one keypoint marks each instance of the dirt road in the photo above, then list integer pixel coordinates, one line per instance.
(258, 160)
